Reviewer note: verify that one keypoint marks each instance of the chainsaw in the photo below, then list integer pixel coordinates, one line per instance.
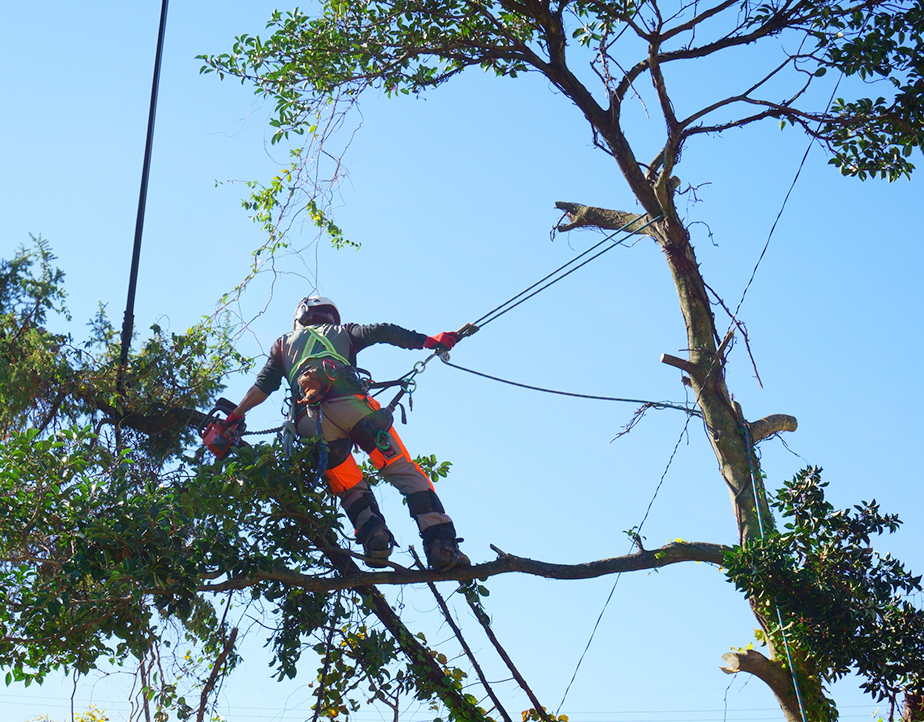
(217, 437)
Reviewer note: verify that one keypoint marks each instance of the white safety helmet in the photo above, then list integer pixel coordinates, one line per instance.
(309, 305)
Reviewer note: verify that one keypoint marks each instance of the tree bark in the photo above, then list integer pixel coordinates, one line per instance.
(771, 673)
(913, 710)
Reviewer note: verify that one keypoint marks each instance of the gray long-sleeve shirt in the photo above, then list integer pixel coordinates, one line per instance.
(347, 341)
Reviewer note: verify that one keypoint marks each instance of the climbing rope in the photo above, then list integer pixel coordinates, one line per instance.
(652, 404)
(779, 616)
(496, 313)
(407, 382)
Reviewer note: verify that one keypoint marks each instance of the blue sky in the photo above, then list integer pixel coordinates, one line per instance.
(452, 198)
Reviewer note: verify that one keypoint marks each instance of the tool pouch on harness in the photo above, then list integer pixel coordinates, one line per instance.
(315, 386)
(330, 377)
(369, 431)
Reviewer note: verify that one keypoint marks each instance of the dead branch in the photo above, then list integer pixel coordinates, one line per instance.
(769, 425)
(485, 622)
(672, 553)
(447, 615)
(591, 217)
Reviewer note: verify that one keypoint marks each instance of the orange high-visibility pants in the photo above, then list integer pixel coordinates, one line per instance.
(338, 417)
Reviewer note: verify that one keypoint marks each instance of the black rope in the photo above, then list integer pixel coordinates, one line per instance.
(128, 323)
(652, 404)
(782, 207)
(406, 382)
(497, 312)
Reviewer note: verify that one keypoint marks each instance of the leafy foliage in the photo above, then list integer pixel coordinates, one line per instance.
(843, 605)
(119, 543)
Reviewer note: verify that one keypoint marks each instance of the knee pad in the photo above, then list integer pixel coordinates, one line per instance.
(344, 476)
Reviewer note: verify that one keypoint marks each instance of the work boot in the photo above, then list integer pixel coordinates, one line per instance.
(444, 554)
(377, 547)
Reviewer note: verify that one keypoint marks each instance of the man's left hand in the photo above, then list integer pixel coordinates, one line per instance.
(234, 422)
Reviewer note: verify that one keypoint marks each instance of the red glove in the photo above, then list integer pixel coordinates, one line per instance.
(233, 421)
(446, 339)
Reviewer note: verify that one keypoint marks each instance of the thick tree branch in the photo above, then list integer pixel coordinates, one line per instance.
(769, 425)
(771, 673)
(672, 553)
(580, 216)
(213, 677)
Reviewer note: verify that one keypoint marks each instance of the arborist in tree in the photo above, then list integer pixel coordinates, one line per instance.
(318, 358)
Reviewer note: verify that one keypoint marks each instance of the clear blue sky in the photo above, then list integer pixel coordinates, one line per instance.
(452, 199)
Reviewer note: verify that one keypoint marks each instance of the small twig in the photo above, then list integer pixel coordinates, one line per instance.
(458, 632)
(741, 327)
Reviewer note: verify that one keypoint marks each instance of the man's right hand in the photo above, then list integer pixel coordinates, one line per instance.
(446, 340)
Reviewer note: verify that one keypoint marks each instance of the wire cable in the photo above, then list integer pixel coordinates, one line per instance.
(782, 208)
(779, 615)
(638, 531)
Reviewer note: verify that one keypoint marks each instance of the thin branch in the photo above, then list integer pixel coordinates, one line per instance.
(210, 684)
(742, 97)
(697, 19)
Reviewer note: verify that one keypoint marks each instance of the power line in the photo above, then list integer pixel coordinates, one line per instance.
(782, 207)
(128, 323)
(638, 531)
